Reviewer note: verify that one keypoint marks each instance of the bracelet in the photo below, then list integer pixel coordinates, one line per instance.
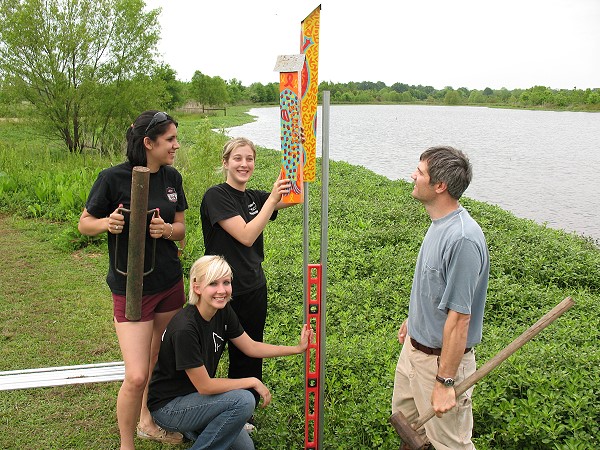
(171, 233)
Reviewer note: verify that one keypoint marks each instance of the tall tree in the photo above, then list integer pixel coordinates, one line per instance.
(211, 91)
(199, 87)
(400, 87)
(174, 88)
(235, 90)
(451, 97)
(84, 65)
(219, 95)
(259, 93)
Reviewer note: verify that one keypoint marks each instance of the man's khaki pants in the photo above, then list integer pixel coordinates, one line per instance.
(413, 385)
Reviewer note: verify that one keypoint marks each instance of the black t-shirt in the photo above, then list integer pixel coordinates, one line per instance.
(222, 202)
(188, 342)
(112, 188)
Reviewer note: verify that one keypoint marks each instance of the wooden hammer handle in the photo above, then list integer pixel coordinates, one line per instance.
(546, 320)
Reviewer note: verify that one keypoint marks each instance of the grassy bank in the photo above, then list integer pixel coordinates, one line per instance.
(55, 307)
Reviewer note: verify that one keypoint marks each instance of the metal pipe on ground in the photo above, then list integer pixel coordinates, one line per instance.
(408, 432)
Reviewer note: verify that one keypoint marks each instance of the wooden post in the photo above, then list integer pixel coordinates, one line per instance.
(140, 178)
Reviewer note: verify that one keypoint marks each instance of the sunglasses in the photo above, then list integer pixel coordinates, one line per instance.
(157, 119)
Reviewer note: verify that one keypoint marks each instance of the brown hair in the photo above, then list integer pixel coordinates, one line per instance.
(450, 166)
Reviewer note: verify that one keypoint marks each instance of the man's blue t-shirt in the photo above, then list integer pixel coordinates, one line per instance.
(452, 272)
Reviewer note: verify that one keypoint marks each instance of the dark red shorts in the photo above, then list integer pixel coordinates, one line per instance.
(164, 301)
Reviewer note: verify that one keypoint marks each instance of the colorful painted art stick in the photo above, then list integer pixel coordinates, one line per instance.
(309, 46)
(292, 157)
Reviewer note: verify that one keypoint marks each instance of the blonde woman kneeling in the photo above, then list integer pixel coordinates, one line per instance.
(184, 396)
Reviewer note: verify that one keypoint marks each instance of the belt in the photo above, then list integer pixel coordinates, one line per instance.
(429, 350)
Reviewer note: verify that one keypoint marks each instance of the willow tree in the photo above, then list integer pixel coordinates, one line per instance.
(211, 91)
(85, 66)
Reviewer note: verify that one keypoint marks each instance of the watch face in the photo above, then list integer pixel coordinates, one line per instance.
(448, 382)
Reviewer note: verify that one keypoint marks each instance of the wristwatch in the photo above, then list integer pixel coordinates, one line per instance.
(448, 382)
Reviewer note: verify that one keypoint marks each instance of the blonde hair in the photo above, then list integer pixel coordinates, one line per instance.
(231, 145)
(207, 269)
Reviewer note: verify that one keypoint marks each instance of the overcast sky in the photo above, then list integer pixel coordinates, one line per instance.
(459, 43)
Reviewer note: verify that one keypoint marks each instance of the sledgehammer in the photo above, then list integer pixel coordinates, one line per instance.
(408, 433)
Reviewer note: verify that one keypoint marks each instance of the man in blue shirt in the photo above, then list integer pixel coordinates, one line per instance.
(447, 301)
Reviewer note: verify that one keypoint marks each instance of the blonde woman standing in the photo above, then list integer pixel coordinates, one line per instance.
(233, 220)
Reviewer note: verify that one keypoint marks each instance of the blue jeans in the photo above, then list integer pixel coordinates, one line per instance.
(216, 422)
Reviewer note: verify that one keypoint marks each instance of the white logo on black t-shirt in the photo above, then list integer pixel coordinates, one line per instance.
(218, 340)
(252, 209)
(172, 195)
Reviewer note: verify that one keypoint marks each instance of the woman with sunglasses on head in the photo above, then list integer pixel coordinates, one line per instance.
(151, 142)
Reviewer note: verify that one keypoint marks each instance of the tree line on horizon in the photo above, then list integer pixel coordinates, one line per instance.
(218, 92)
(83, 68)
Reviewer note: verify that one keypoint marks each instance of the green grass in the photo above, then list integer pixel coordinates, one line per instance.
(55, 308)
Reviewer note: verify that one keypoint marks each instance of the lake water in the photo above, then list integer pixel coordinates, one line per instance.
(540, 165)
